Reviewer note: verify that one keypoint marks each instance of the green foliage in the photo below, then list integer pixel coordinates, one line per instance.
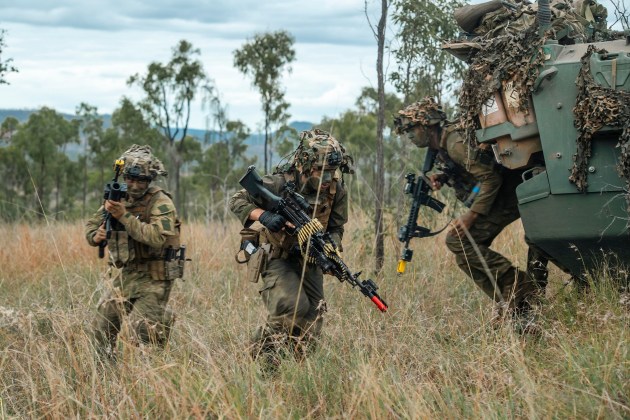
(169, 92)
(423, 68)
(5, 65)
(36, 162)
(356, 129)
(286, 142)
(219, 167)
(264, 58)
(8, 128)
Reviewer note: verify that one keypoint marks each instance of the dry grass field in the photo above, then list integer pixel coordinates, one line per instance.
(432, 355)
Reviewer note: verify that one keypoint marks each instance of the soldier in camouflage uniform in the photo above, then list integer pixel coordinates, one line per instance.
(494, 208)
(139, 279)
(293, 294)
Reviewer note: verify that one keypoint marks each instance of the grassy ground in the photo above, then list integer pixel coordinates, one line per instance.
(432, 355)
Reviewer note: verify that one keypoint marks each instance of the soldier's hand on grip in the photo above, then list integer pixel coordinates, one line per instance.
(115, 208)
(272, 221)
(100, 234)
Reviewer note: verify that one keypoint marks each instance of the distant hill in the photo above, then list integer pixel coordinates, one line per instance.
(22, 115)
(255, 142)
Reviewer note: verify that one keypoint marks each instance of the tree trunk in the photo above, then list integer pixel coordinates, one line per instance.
(380, 126)
(174, 172)
(266, 142)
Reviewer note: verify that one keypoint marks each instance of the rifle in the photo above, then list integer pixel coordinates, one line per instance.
(419, 190)
(315, 244)
(113, 191)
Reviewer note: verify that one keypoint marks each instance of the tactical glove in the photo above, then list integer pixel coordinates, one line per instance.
(272, 221)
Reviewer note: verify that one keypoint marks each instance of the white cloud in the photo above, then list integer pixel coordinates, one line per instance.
(74, 51)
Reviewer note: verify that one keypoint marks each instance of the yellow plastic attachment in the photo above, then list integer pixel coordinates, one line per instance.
(119, 163)
(401, 266)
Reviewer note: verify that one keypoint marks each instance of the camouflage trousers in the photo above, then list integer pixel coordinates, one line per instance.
(516, 287)
(294, 306)
(133, 296)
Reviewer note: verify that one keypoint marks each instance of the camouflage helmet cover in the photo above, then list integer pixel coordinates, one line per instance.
(318, 149)
(427, 112)
(141, 163)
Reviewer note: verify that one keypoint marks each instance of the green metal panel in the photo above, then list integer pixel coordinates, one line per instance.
(578, 230)
(554, 102)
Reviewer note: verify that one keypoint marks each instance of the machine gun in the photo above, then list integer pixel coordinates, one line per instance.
(316, 245)
(420, 190)
(113, 191)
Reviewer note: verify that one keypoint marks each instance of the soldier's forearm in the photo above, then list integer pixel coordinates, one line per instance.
(146, 233)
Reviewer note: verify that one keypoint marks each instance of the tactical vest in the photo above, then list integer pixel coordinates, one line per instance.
(284, 245)
(141, 209)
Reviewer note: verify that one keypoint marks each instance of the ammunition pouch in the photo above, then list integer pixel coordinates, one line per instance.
(250, 239)
(160, 269)
(252, 253)
(257, 263)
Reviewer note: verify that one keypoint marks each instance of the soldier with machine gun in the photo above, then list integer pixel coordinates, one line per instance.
(292, 289)
(490, 193)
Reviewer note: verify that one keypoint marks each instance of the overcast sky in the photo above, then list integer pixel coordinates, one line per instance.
(73, 51)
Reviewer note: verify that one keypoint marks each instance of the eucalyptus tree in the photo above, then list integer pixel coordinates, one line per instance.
(8, 128)
(219, 168)
(13, 172)
(6, 65)
(264, 58)
(379, 34)
(424, 69)
(42, 140)
(170, 90)
(91, 134)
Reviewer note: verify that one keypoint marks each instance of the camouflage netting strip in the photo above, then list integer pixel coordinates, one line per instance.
(522, 65)
(511, 50)
(597, 106)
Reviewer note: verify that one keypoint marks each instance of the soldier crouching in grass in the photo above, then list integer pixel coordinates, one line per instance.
(292, 290)
(143, 244)
(494, 208)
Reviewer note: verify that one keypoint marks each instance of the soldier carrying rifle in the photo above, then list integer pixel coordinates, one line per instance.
(474, 172)
(145, 254)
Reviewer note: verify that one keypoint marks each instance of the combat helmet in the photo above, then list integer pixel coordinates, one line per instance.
(426, 112)
(141, 164)
(319, 150)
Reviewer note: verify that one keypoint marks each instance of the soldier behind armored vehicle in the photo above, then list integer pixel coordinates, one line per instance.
(145, 255)
(493, 209)
(292, 290)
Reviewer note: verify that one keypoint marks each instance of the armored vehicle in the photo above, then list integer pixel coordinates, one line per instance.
(562, 115)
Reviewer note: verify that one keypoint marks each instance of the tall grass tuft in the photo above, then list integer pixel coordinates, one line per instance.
(432, 355)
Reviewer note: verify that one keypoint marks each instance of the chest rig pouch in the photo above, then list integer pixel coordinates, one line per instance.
(167, 262)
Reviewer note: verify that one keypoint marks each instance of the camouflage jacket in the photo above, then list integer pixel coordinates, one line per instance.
(476, 165)
(331, 209)
(149, 226)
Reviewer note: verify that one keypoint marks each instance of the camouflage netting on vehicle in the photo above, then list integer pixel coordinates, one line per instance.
(515, 57)
(568, 18)
(597, 106)
(511, 51)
